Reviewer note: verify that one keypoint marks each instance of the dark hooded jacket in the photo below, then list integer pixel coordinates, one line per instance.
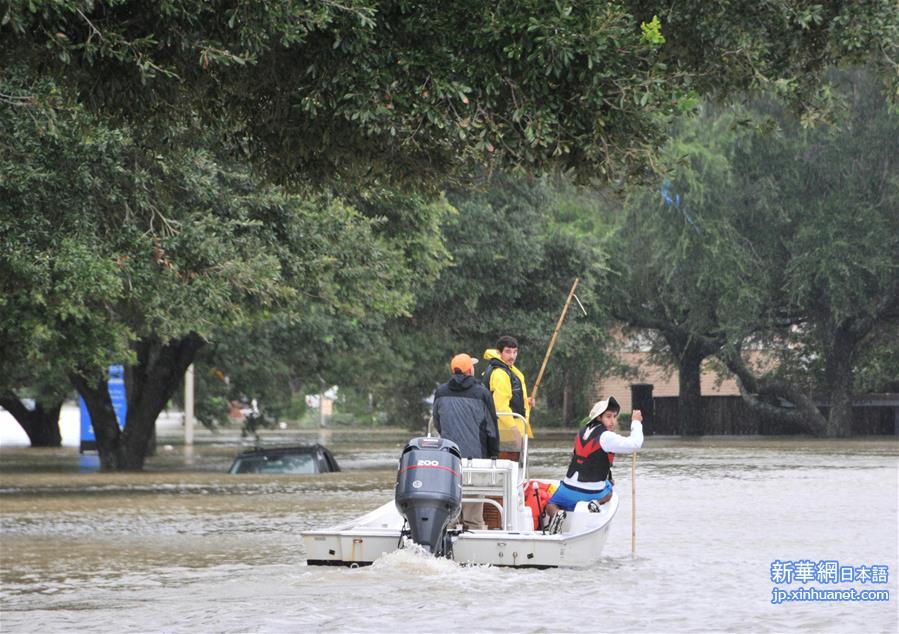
(464, 413)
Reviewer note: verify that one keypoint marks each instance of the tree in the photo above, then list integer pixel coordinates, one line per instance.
(828, 197)
(323, 91)
(134, 100)
(354, 89)
(40, 422)
(131, 255)
(298, 352)
(48, 270)
(511, 267)
(778, 236)
(155, 110)
(677, 261)
(33, 388)
(742, 47)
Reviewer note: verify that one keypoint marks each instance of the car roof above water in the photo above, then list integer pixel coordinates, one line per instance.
(278, 449)
(308, 459)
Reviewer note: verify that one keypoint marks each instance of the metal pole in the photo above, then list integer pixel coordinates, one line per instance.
(189, 406)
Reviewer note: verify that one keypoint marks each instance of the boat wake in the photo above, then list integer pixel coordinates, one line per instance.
(413, 559)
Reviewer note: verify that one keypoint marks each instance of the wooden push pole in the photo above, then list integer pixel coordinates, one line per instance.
(552, 341)
(634, 504)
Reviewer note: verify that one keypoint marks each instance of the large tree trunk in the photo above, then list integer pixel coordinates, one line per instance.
(95, 392)
(839, 377)
(689, 352)
(150, 385)
(41, 424)
(689, 397)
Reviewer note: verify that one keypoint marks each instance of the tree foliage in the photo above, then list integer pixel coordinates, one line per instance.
(141, 141)
(512, 250)
(786, 48)
(403, 91)
(512, 264)
(784, 239)
(409, 91)
(828, 199)
(678, 260)
(129, 254)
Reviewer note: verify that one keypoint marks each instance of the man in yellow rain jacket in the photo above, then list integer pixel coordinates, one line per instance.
(510, 394)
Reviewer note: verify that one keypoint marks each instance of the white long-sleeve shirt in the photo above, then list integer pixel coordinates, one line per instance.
(616, 443)
(610, 443)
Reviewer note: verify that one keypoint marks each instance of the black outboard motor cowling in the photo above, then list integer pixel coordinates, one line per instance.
(429, 490)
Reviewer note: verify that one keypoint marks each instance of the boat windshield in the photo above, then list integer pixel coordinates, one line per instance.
(512, 437)
(511, 431)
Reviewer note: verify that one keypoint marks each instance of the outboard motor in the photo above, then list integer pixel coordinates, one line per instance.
(429, 491)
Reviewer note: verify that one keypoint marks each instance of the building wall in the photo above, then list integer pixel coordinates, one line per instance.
(664, 381)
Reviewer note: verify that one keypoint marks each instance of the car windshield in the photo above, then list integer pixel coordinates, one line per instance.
(285, 463)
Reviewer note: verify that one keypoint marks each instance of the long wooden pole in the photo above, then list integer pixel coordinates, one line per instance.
(634, 504)
(552, 341)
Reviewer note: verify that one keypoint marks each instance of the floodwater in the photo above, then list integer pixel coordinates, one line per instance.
(184, 547)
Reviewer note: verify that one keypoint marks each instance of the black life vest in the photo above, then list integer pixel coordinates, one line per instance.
(516, 403)
(588, 459)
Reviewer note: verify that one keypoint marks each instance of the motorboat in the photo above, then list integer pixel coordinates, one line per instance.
(433, 482)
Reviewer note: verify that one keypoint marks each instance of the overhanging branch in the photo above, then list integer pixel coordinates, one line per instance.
(753, 389)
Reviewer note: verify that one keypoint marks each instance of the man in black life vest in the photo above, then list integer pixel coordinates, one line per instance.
(589, 476)
(510, 394)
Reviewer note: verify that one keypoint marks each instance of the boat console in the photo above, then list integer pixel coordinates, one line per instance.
(484, 481)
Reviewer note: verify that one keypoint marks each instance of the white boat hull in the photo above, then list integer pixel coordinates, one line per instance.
(365, 539)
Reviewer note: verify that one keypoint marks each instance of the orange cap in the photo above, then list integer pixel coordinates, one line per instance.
(463, 363)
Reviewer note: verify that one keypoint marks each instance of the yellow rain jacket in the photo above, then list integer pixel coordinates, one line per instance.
(500, 386)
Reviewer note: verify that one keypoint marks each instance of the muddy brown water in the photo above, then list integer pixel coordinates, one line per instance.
(184, 547)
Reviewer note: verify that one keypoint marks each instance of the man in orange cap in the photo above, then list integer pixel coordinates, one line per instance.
(464, 413)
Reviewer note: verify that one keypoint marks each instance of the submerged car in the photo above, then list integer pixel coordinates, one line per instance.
(302, 459)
